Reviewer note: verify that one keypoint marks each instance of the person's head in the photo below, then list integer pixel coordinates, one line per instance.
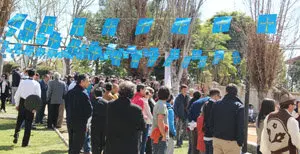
(127, 89)
(196, 95)
(151, 91)
(76, 76)
(287, 101)
(183, 89)
(98, 92)
(191, 92)
(170, 100)
(4, 77)
(140, 88)
(96, 80)
(163, 93)
(147, 94)
(83, 81)
(56, 76)
(231, 89)
(115, 88)
(30, 73)
(267, 106)
(215, 94)
(108, 87)
(46, 77)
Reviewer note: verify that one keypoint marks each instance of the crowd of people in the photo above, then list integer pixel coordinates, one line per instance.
(116, 116)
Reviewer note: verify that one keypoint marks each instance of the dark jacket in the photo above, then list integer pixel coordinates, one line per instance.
(7, 87)
(16, 78)
(207, 109)
(195, 109)
(124, 122)
(78, 107)
(227, 119)
(44, 88)
(99, 114)
(181, 106)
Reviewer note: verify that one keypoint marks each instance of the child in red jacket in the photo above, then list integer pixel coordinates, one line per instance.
(200, 143)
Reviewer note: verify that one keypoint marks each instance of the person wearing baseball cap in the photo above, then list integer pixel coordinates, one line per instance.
(281, 130)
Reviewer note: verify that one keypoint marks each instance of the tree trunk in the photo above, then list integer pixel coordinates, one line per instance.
(97, 70)
(261, 96)
(67, 66)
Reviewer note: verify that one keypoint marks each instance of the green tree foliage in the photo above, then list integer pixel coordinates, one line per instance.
(294, 74)
(8, 67)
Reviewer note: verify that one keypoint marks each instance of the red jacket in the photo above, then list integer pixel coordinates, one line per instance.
(200, 143)
(138, 100)
(155, 135)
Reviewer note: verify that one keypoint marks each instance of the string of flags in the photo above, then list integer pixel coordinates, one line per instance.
(47, 36)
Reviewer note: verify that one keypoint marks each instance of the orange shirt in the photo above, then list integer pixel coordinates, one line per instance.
(200, 143)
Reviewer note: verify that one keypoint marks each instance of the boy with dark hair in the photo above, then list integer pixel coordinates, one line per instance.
(107, 94)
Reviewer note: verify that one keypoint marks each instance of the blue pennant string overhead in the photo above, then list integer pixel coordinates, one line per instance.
(116, 57)
(51, 53)
(66, 54)
(54, 41)
(168, 62)
(29, 50)
(221, 24)
(143, 26)
(78, 27)
(28, 32)
(153, 54)
(181, 26)
(135, 59)
(40, 39)
(17, 20)
(4, 46)
(186, 61)
(267, 24)
(174, 55)
(4, 56)
(73, 45)
(131, 49)
(236, 57)
(110, 27)
(40, 52)
(18, 48)
(48, 25)
(202, 62)
(219, 55)
(152, 61)
(11, 32)
(196, 54)
(109, 50)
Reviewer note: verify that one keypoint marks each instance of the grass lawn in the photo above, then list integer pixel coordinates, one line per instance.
(41, 141)
(10, 109)
(183, 149)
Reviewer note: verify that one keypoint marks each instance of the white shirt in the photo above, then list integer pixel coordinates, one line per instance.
(72, 85)
(26, 88)
(293, 130)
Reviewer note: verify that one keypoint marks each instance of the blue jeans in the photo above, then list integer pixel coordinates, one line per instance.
(144, 139)
(87, 142)
(209, 147)
(160, 147)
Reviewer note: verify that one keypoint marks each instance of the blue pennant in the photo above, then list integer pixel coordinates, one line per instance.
(3, 56)
(40, 52)
(168, 62)
(17, 20)
(40, 39)
(202, 62)
(116, 57)
(78, 27)
(11, 32)
(143, 26)
(181, 26)
(73, 45)
(97, 53)
(51, 53)
(152, 61)
(267, 24)
(18, 48)
(221, 24)
(174, 54)
(79, 55)
(196, 54)
(48, 25)
(54, 41)
(4, 46)
(186, 61)
(125, 54)
(219, 55)
(236, 57)
(12, 56)
(28, 32)
(151, 52)
(131, 49)
(66, 54)
(29, 50)
(110, 27)
(135, 59)
(59, 55)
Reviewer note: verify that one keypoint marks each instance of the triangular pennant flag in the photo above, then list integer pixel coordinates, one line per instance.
(196, 54)
(40, 39)
(221, 24)
(28, 32)
(4, 46)
(236, 57)
(11, 32)
(135, 59)
(40, 52)
(143, 26)
(78, 27)
(17, 20)
(110, 27)
(267, 24)
(202, 62)
(186, 61)
(181, 26)
(116, 57)
(29, 50)
(48, 25)
(73, 45)
(54, 41)
(219, 55)
(168, 62)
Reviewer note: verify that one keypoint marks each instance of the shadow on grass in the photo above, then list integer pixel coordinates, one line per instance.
(7, 126)
(55, 152)
(6, 147)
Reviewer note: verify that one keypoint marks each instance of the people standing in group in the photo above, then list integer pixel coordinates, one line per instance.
(98, 123)
(107, 94)
(79, 110)
(44, 87)
(280, 133)
(196, 95)
(16, 78)
(74, 82)
(267, 107)
(181, 113)
(214, 96)
(124, 122)
(227, 123)
(160, 127)
(36, 77)
(151, 104)
(5, 88)
(26, 88)
(172, 127)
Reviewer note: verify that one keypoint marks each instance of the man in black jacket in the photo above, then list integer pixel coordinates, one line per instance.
(124, 122)
(16, 78)
(79, 110)
(214, 95)
(227, 123)
(98, 121)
